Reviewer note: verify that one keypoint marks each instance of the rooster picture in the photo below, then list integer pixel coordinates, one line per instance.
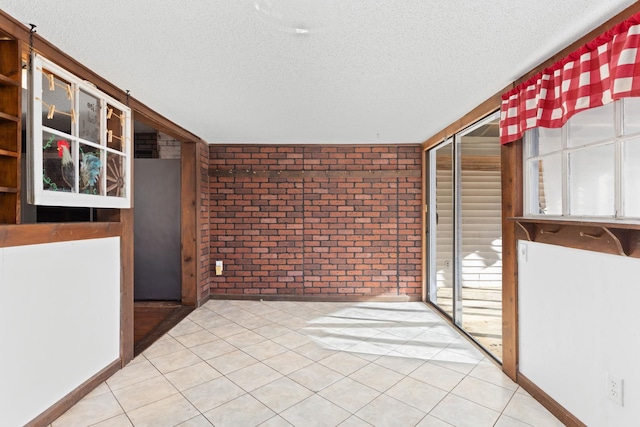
(89, 167)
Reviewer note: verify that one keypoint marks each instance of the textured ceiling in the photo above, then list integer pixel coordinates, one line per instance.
(312, 71)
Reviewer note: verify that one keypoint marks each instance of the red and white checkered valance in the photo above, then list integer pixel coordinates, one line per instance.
(604, 70)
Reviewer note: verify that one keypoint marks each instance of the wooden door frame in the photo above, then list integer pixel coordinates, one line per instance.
(190, 225)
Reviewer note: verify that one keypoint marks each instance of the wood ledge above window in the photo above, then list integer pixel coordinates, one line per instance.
(618, 238)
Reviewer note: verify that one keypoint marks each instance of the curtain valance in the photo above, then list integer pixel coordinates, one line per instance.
(603, 70)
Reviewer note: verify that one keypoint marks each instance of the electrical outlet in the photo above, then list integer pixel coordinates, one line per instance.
(615, 389)
(447, 264)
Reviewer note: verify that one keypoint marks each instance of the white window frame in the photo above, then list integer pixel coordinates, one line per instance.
(530, 175)
(37, 194)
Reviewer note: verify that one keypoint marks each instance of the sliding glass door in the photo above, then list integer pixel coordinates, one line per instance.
(464, 226)
(441, 225)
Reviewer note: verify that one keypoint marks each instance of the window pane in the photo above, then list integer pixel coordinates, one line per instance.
(631, 118)
(89, 117)
(116, 175)
(596, 124)
(90, 169)
(549, 185)
(591, 183)
(58, 170)
(115, 125)
(57, 99)
(549, 140)
(631, 178)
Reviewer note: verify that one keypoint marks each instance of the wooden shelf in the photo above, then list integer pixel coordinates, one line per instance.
(626, 225)
(10, 135)
(620, 238)
(8, 117)
(7, 153)
(6, 81)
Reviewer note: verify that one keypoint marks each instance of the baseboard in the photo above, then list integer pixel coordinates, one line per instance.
(319, 298)
(63, 405)
(566, 417)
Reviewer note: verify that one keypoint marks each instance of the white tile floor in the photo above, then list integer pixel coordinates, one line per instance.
(250, 363)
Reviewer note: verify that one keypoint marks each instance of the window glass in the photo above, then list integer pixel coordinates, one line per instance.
(631, 119)
(89, 117)
(550, 140)
(549, 192)
(58, 173)
(116, 175)
(591, 181)
(596, 124)
(57, 102)
(631, 178)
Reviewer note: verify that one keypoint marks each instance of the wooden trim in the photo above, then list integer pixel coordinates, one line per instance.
(300, 174)
(16, 29)
(35, 234)
(511, 206)
(126, 286)
(189, 223)
(64, 404)
(566, 417)
(489, 106)
(493, 103)
(319, 298)
(596, 32)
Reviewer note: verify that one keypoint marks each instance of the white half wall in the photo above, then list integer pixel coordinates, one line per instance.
(60, 321)
(579, 319)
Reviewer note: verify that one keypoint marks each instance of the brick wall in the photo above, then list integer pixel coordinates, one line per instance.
(145, 145)
(168, 147)
(324, 221)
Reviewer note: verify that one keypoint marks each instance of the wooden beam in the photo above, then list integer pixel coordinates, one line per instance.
(511, 206)
(143, 113)
(493, 103)
(35, 234)
(590, 36)
(126, 286)
(190, 173)
(489, 106)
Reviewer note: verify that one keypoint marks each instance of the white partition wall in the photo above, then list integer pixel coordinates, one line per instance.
(579, 321)
(60, 321)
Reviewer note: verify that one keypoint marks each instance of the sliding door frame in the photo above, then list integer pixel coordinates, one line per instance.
(431, 220)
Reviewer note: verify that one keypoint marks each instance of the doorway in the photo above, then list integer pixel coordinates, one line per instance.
(464, 229)
(157, 270)
(158, 231)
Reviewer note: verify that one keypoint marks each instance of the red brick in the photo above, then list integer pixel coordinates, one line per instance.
(291, 234)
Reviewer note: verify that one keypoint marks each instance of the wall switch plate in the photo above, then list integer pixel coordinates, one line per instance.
(615, 389)
(218, 268)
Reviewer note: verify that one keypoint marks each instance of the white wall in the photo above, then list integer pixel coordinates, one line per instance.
(59, 322)
(579, 318)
